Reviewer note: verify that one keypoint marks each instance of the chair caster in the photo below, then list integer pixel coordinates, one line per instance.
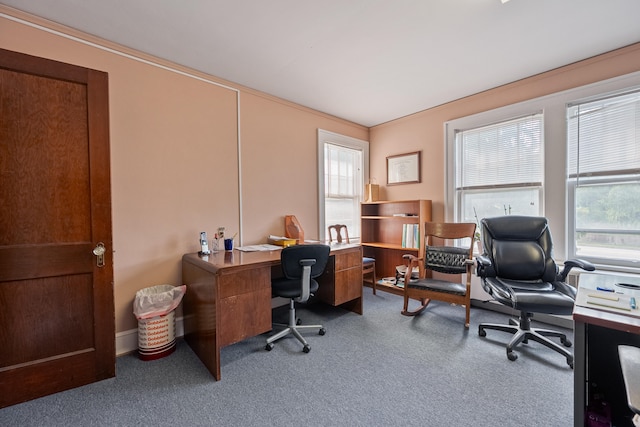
(511, 356)
(298, 322)
(322, 331)
(482, 332)
(269, 347)
(570, 363)
(565, 342)
(306, 348)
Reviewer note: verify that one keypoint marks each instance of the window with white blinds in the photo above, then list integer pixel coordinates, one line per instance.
(343, 168)
(603, 138)
(343, 187)
(502, 154)
(499, 169)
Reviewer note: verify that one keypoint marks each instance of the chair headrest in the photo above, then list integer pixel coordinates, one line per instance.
(515, 227)
(520, 247)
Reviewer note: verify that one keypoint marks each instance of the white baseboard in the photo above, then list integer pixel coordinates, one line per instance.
(127, 341)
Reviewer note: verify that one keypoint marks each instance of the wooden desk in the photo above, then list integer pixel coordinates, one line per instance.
(228, 296)
(597, 335)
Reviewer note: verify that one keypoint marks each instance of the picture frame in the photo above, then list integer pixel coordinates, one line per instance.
(404, 168)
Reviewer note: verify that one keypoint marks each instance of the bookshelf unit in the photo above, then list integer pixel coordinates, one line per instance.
(381, 239)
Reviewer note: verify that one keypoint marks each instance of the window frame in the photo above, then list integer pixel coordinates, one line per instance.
(596, 179)
(465, 188)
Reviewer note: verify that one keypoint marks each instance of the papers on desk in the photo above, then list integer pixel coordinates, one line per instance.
(281, 241)
(613, 302)
(259, 248)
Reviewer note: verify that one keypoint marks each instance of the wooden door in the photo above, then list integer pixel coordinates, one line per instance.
(57, 326)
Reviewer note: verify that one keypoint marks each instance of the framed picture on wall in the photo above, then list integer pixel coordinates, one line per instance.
(404, 168)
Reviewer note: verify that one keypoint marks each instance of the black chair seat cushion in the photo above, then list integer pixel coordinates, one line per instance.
(290, 288)
(534, 296)
(438, 285)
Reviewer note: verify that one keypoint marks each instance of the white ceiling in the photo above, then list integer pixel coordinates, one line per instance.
(368, 61)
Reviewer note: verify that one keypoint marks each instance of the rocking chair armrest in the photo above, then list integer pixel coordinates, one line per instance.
(411, 258)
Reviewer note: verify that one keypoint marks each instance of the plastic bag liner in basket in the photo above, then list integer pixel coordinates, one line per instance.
(157, 300)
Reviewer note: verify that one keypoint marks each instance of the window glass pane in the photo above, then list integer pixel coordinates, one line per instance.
(341, 211)
(487, 204)
(608, 221)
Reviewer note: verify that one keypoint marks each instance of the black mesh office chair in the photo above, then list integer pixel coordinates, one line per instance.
(517, 269)
(301, 264)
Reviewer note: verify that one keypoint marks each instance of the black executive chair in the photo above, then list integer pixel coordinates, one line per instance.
(517, 269)
(301, 264)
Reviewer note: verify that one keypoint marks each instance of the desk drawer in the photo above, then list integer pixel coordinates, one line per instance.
(340, 285)
(348, 259)
(244, 304)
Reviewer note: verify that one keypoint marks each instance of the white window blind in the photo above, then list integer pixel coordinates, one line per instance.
(604, 136)
(343, 187)
(502, 155)
(341, 167)
(499, 169)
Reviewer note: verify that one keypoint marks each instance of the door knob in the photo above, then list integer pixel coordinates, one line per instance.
(99, 251)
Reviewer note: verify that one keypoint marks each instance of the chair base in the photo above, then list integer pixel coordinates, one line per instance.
(293, 328)
(523, 332)
(424, 302)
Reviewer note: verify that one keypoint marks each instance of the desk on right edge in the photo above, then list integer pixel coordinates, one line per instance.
(597, 334)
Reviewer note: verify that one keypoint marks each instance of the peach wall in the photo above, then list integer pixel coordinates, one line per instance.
(174, 155)
(280, 170)
(425, 130)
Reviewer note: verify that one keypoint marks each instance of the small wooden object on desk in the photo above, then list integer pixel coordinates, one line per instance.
(293, 229)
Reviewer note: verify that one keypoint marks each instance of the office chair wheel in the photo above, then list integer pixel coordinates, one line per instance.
(482, 332)
(306, 348)
(565, 342)
(322, 331)
(269, 346)
(298, 322)
(511, 356)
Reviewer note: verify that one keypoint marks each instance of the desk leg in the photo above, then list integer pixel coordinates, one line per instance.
(579, 374)
(200, 306)
(224, 307)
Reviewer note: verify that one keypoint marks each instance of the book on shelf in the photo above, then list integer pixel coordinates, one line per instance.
(410, 235)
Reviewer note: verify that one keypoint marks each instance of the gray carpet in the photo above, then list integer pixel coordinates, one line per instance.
(379, 369)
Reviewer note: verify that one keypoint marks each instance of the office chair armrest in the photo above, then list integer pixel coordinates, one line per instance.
(484, 268)
(579, 263)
